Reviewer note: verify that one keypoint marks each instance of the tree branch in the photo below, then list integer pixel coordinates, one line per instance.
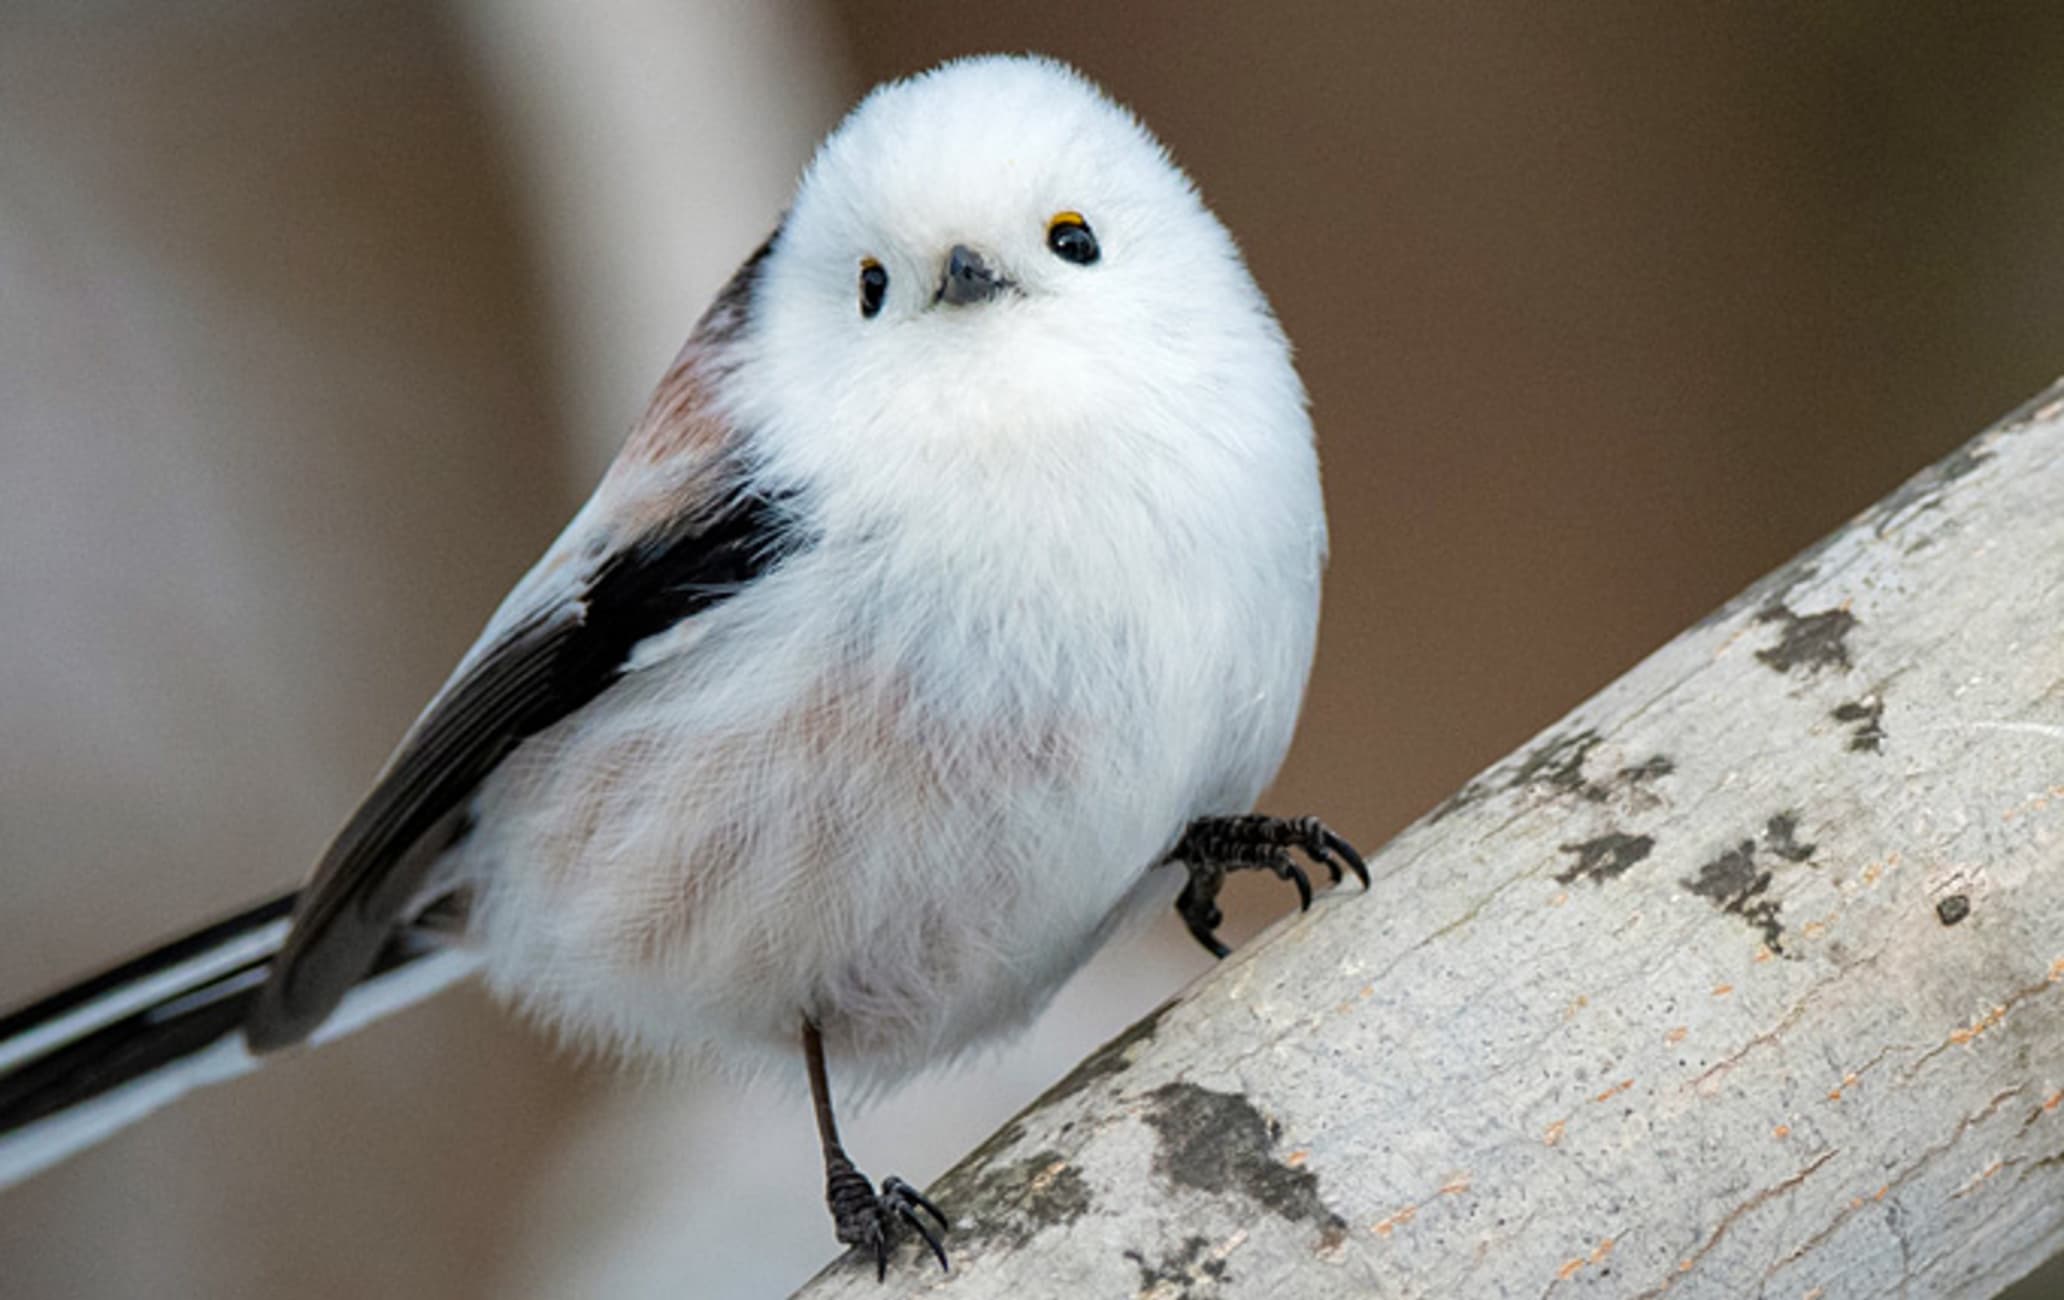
(1745, 978)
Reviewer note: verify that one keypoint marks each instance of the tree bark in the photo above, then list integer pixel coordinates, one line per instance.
(1746, 978)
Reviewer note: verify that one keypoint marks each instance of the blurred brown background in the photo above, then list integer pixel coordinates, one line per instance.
(316, 322)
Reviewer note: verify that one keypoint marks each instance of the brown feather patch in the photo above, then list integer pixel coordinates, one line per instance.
(679, 420)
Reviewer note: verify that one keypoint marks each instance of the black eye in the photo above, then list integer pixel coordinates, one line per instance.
(1067, 234)
(874, 286)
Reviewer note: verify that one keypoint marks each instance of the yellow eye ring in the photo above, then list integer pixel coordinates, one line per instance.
(1068, 237)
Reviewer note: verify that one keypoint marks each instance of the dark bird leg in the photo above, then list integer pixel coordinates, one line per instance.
(864, 1219)
(1214, 846)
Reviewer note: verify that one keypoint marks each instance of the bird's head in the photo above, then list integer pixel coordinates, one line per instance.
(993, 253)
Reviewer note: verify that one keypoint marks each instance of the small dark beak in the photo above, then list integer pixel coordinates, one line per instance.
(968, 278)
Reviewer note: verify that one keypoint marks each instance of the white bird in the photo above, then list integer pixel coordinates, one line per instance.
(963, 571)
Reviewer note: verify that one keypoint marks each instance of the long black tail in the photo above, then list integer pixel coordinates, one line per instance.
(93, 1058)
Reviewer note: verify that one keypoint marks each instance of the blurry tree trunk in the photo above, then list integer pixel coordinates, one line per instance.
(1746, 978)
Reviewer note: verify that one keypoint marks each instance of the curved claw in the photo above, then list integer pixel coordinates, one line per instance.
(906, 1201)
(1318, 840)
(1293, 873)
(1210, 847)
(1201, 915)
(1203, 934)
(896, 1187)
(925, 1233)
(1354, 860)
(1324, 857)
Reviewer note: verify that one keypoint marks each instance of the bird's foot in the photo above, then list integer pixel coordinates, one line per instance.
(870, 1221)
(1214, 846)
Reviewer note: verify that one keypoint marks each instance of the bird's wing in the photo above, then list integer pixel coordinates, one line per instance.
(566, 635)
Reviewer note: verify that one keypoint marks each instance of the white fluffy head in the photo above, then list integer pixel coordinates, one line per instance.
(984, 153)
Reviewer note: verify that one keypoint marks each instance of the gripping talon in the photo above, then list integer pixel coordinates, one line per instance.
(1295, 875)
(896, 1187)
(905, 1201)
(1354, 860)
(929, 1238)
(925, 1234)
(1203, 935)
(1212, 846)
(1324, 857)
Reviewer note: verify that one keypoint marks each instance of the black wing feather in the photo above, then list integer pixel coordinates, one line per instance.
(537, 674)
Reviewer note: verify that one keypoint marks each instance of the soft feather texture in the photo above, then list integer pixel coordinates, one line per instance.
(1059, 597)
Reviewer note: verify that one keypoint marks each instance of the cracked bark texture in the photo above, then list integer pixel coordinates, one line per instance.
(1746, 978)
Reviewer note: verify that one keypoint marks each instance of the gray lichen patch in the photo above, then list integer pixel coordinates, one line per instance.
(1781, 836)
(1605, 856)
(1217, 1142)
(1867, 716)
(1183, 1273)
(1777, 585)
(1733, 883)
(2039, 409)
(1475, 792)
(1007, 1204)
(1652, 768)
(1113, 1058)
(992, 1149)
(1808, 641)
(983, 1177)
(994, 1197)
(1557, 766)
(1924, 490)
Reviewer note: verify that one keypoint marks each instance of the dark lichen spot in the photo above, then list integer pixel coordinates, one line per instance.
(1732, 883)
(1013, 1202)
(2044, 406)
(1775, 586)
(1924, 490)
(1179, 1269)
(982, 1180)
(1808, 641)
(1868, 714)
(1960, 462)
(1781, 836)
(1557, 766)
(1473, 793)
(1114, 1057)
(991, 1148)
(1557, 763)
(1218, 1142)
(1652, 768)
(1953, 909)
(1606, 856)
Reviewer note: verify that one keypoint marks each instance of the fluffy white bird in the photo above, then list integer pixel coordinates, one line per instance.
(963, 571)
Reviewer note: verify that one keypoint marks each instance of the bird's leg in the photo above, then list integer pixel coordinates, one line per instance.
(864, 1218)
(1214, 846)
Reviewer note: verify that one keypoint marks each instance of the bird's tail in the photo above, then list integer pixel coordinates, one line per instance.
(91, 1059)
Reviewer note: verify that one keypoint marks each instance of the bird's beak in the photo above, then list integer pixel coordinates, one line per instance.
(968, 278)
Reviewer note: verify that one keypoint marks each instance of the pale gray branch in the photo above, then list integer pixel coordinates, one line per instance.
(1746, 978)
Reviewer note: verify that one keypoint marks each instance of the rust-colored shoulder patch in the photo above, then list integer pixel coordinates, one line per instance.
(680, 430)
(679, 420)
(670, 465)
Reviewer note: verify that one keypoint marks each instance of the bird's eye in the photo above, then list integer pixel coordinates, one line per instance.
(1068, 235)
(874, 286)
